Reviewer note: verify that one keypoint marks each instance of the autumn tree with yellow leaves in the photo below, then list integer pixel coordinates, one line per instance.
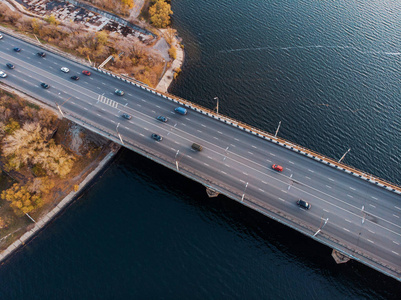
(160, 13)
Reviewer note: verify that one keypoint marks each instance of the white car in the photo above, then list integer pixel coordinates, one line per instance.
(3, 74)
(1, 36)
(65, 70)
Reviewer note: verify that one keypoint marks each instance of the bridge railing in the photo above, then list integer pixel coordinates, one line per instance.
(265, 135)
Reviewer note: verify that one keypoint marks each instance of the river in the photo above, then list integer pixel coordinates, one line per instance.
(329, 71)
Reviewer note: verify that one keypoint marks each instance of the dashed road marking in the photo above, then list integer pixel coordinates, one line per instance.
(72, 102)
(375, 198)
(311, 171)
(372, 205)
(242, 180)
(99, 115)
(250, 153)
(245, 173)
(291, 162)
(188, 119)
(325, 210)
(206, 164)
(370, 241)
(139, 105)
(126, 127)
(199, 131)
(254, 147)
(85, 108)
(219, 132)
(396, 243)
(268, 160)
(281, 199)
(331, 179)
(223, 172)
(328, 186)
(395, 252)
(397, 207)
(143, 100)
(350, 196)
(227, 165)
(141, 134)
(261, 190)
(215, 138)
(264, 182)
(272, 154)
(209, 157)
(346, 229)
(307, 177)
(203, 125)
(371, 231)
(348, 221)
(352, 188)
(157, 106)
(236, 139)
(396, 216)
(284, 191)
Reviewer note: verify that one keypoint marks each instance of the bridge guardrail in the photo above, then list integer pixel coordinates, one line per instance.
(266, 135)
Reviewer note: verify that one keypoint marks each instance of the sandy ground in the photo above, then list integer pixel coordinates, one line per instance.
(137, 9)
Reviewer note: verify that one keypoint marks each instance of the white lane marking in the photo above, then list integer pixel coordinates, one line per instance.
(232, 145)
(103, 83)
(372, 205)
(153, 111)
(99, 115)
(130, 122)
(264, 182)
(85, 108)
(254, 147)
(227, 165)
(397, 207)
(371, 231)
(250, 153)
(220, 132)
(189, 156)
(396, 243)
(307, 177)
(98, 88)
(183, 124)
(209, 157)
(261, 190)
(370, 241)
(348, 221)
(352, 188)
(157, 106)
(112, 121)
(139, 105)
(223, 172)
(141, 134)
(129, 94)
(291, 162)
(188, 119)
(325, 210)
(143, 100)
(144, 128)
(268, 160)
(281, 199)
(284, 191)
(199, 131)
(206, 164)
(215, 138)
(331, 179)
(350, 196)
(72, 102)
(173, 149)
(375, 198)
(236, 139)
(346, 229)
(311, 171)
(244, 173)
(203, 125)
(396, 216)
(176, 142)
(126, 127)
(395, 252)
(86, 82)
(272, 154)
(328, 186)
(242, 180)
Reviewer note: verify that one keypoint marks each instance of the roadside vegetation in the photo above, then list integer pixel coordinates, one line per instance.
(129, 56)
(120, 7)
(160, 12)
(37, 166)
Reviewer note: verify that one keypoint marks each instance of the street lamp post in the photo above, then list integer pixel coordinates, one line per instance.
(119, 134)
(176, 161)
(325, 222)
(279, 123)
(342, 157)
(243, 195)
(217, 106)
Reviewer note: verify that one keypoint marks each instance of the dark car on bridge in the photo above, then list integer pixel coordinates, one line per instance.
(119, 92)
(127, 116)
(156, 137)
(161, 118)
(44, 85)
(10, 66)
(87, 73)
(16, 49)
(75, 77)
(41, 54)
(277, 168)
(303, 204)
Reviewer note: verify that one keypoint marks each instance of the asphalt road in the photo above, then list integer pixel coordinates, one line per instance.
(356, 217)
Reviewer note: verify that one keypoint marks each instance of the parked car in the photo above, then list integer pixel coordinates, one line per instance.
(161, 118)
(303, 204)
(41, 54)
(87, 73)
(3, 74)
(127, 116)
(16, 49)
(1, 36)
(10, 66)
(119, 92)
(156, 137)
(75, 77)
(277, 168)
(45, 85)
(65, 70)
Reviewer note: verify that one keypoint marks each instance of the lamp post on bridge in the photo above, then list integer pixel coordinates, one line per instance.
(217, 105)
(279, 123)
(325, 222)
(176, 161)
(342, 157)
(119, 134)
(243, 195)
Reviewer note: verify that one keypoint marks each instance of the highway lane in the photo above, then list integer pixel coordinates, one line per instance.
(231, 157)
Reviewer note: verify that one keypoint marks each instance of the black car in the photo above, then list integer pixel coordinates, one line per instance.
(16, 49)
(161, 118)
(41, 54)
(119, 92)
(304, 204)
(44, 85)
(10, 66)
(156, 137)
(127, 116)
(75, 77)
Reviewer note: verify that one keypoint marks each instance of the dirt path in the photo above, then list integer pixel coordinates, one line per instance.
(137, 9)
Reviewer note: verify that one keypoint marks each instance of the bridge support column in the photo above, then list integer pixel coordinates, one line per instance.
(211, 193)
(339, 257)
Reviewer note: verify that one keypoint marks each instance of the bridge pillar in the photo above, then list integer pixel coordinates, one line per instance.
(339, 257)
(211, 193)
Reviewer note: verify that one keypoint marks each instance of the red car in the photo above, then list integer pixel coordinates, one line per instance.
(87, 73)
(277, 168)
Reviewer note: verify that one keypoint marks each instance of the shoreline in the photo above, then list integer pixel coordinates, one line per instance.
(44, 220)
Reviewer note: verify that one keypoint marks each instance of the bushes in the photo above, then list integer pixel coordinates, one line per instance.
(160, 13)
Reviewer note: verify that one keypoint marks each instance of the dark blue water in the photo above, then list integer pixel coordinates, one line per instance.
(329, 71)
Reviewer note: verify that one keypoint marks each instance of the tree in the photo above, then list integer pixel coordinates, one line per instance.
(22, 201)
(160, 13)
